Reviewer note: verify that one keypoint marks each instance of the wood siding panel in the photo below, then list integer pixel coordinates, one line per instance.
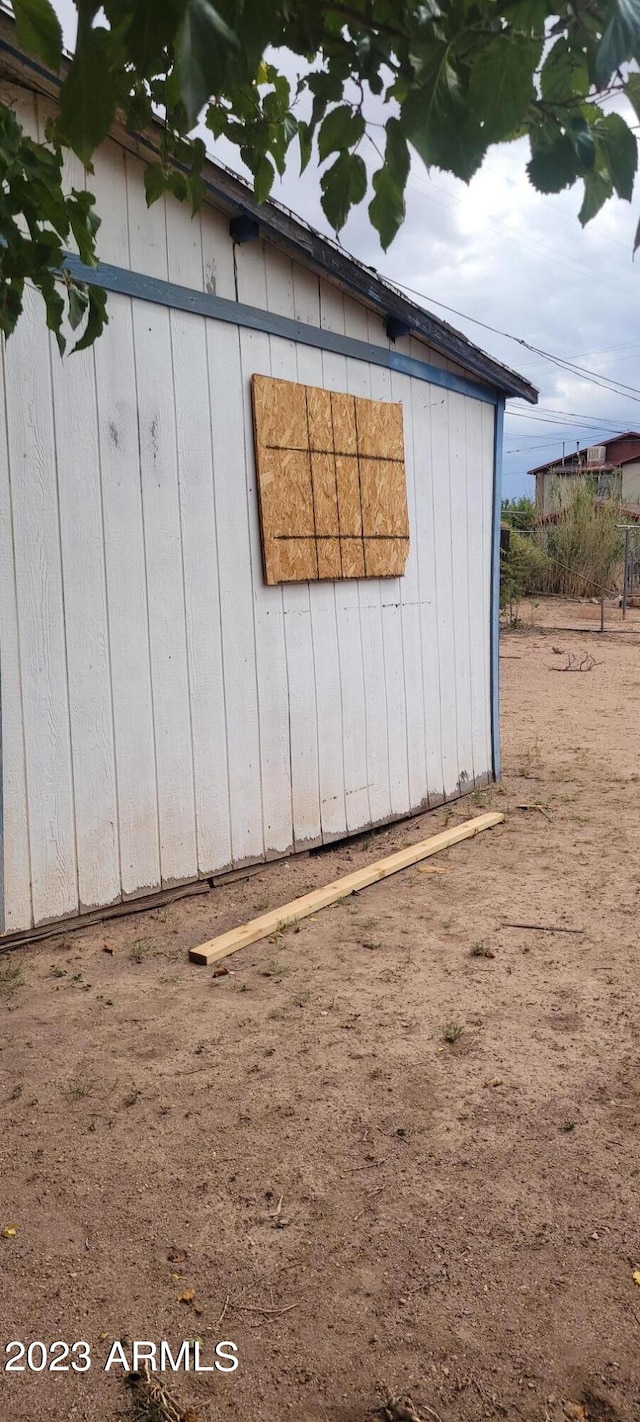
(347, 617)
(15, 872)
(127, 602)
(163, 547)
(477, 517)
(417, 471)
(233, 548)
(200, 552)
(85, 603)
(488, 457)
(457, 489)
(426, 585)
(325, 655)
(444, 579)
(296, 598)
(87, 630)
(38, 573)
(271, 657)
(370, 599)
(236, 593)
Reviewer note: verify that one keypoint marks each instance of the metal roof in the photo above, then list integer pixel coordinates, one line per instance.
(574, 463)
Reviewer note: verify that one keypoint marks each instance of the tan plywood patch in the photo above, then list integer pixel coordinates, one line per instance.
(319, 418)
(349, 503)
(353, 563)
(384, 498)
(379, 430)
(280, 413)
(293, 560)
(343, 410)
(331, 481)
(330, 558)
(325, 503)
(385, 556)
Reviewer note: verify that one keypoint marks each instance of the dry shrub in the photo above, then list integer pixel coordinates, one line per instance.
(579, 555)
(584, 548)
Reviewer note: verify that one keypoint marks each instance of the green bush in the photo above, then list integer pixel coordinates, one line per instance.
(524, 570)
(519, 513)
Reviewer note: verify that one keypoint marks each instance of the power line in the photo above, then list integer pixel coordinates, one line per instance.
(616, 387)
(577, 422)
(548, 409)
(602, 350)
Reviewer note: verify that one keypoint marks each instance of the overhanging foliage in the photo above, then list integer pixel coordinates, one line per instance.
(454, 77)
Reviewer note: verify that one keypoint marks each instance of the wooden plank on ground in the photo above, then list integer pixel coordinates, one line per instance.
(276, 919)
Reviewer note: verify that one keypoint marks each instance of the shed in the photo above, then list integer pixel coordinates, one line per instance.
(249, 550)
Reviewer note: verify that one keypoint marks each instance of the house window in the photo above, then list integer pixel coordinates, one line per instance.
(609, 484)
(331, 481)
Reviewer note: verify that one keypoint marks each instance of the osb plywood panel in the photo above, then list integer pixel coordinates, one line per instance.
(332, 483)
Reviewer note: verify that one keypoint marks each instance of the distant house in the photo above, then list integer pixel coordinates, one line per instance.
(614, 468)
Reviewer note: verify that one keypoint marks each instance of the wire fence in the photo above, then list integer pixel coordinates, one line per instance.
(630, 589)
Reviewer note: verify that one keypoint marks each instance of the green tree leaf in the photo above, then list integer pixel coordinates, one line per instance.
(88, 95)
(343, 185)
(150, 28)
(154, 182)
(620, 150)
(97, 318)
(584, 143)
(342, 128)
(397, 155)
(202, 55)
(305, 139)
(437, 122)
(597, 188)
(387, 208)
(54, 307)
(39, 30)
(553, 166)
(177, 184)
(78, 303)
(565, 73)
(621, 39)
(501, 84)
(632, 91)
(84, 224)
(263, 178)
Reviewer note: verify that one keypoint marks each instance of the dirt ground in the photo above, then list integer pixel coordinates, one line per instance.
(357, 1202)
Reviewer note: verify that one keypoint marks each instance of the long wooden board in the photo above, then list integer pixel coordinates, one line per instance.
(276, 919)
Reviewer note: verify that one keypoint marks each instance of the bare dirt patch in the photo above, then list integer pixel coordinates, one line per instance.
(385, 1162)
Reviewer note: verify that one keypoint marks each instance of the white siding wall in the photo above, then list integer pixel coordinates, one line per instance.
(631, 482)
(164, 713)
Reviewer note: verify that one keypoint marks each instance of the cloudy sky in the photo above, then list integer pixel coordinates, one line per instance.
(504, 255)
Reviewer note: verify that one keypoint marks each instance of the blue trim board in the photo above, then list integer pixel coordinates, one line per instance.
(495, 588)
(220, 308)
